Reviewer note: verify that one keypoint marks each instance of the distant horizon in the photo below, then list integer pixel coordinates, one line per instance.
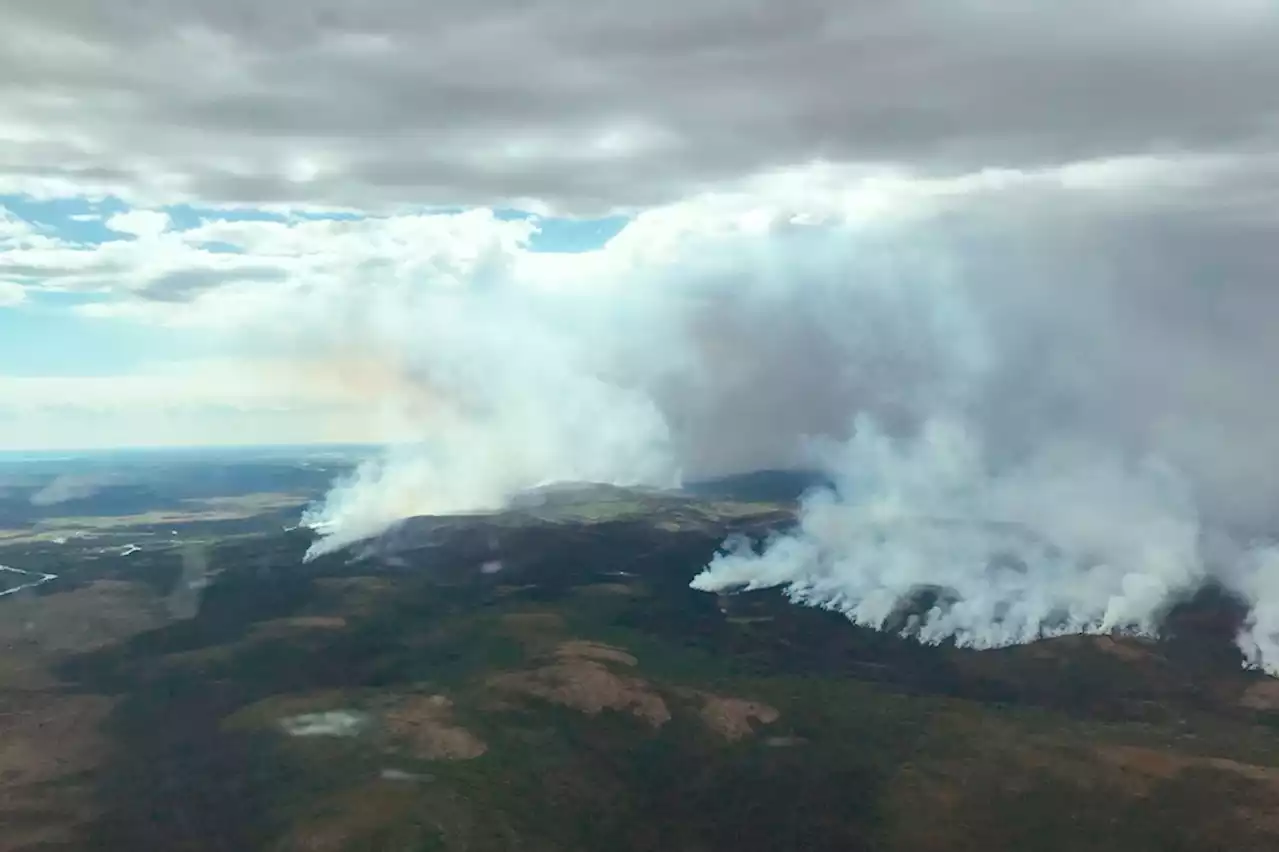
(53, 453)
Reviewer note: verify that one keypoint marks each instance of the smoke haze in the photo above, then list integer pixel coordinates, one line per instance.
(1030, 424)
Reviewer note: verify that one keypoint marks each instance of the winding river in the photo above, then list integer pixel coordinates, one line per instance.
(37, 579)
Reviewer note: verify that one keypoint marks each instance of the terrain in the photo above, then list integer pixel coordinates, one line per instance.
(544, 679)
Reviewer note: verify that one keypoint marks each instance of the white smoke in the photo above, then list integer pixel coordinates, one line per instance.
(498, 398)
(67, 487)
(1039, 444)
(1067, 542)
(1255, 577)
(511, 386)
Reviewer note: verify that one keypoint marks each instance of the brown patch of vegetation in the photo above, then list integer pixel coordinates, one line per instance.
(732, 718)
(283, 627)
(582, 649)
(587, 685)
(1263, 695)
(271, 710)
(424, 723)
(50, 739)
(46, 740)
(1147, 763)
(93, 616)
(44, 736)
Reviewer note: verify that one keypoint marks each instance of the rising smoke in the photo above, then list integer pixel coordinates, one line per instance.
(1022, 445)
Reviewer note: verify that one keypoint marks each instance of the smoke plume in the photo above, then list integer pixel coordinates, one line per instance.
(66, 487)
(1033, 426)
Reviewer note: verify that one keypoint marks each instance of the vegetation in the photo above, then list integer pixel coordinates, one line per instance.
(584, 698)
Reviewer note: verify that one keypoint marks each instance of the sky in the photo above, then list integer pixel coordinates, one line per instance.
(201, 204)
(178, 179)
(663, 239)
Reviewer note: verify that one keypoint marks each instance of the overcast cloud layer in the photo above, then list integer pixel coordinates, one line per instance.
(393, 102)
(1047, 228)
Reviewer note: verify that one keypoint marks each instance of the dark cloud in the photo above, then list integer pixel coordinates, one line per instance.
(478, 102)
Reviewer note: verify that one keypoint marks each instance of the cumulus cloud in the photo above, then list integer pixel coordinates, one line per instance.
(139, 223)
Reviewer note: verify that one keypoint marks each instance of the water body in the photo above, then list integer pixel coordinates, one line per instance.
(38, 578)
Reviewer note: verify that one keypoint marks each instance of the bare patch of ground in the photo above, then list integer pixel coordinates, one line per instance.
(424, 723)
(580, 679)
(732, 718)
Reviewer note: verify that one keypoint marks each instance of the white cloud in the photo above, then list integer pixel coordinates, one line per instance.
(11, 294)
(139, 223)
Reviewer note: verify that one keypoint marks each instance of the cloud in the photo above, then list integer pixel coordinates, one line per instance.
(167, 264)
(139, 223)
(11, 294)
(493, 103)
(180, 285)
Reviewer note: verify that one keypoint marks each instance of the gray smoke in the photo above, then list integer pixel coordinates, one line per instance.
(67, 487)
(1029, 420)
(184, 599)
